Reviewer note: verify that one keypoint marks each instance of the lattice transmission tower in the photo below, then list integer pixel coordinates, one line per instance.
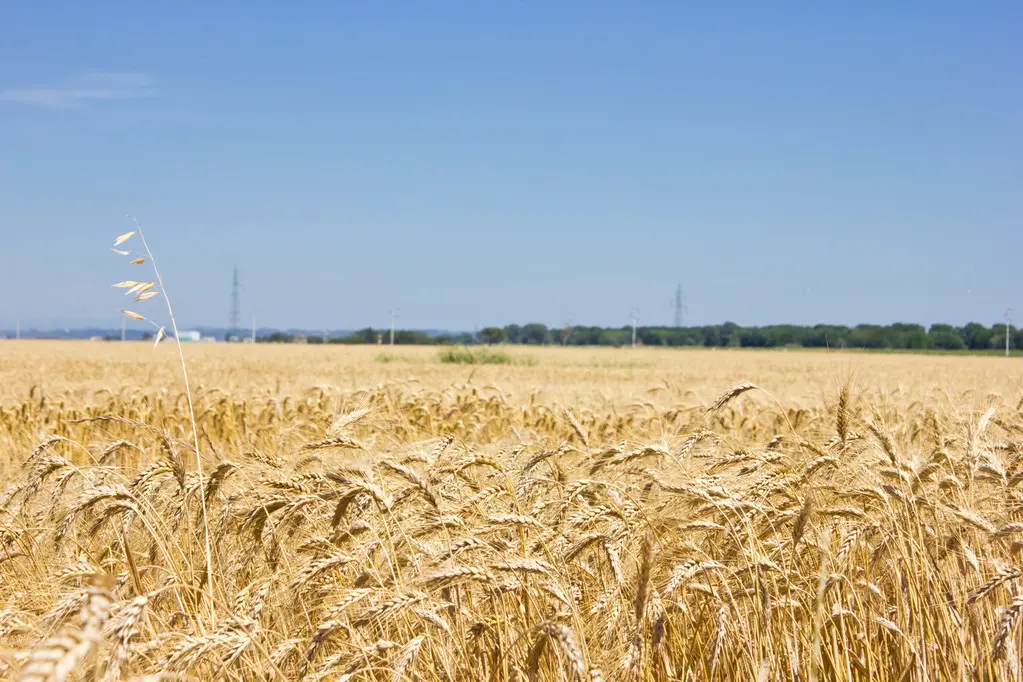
(234, 324)
(680, 305)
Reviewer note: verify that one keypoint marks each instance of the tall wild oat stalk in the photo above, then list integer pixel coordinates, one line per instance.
(143, 291)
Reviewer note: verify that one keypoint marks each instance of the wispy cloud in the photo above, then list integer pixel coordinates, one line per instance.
(80, 91)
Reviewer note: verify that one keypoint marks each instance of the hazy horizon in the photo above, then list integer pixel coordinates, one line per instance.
(159, 316)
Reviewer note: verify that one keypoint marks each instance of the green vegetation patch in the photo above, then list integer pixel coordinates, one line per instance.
(387, 358)
(481, 356)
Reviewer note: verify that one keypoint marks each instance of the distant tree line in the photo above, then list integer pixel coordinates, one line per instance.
(973, 336)
(370, 336)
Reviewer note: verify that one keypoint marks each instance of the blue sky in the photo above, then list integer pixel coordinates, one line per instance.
(476, 163)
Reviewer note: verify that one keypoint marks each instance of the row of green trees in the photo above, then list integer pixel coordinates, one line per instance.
(973, 336)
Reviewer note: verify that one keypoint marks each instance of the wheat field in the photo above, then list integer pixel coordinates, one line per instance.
(613, 514)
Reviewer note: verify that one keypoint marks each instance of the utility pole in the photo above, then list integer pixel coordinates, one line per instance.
(1008, 325)
(393, 314)
(680, 305)
(635, 321)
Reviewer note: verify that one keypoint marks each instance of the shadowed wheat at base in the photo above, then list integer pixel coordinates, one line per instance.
(393, 531)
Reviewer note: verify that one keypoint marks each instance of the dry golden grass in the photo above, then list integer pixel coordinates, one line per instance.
(591, 514)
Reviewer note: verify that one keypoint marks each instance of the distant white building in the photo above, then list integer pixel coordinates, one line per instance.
(189, 336)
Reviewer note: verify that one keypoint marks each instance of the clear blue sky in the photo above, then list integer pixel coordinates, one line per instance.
(478, 163)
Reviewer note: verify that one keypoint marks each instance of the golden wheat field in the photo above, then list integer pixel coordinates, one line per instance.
(376, 514)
